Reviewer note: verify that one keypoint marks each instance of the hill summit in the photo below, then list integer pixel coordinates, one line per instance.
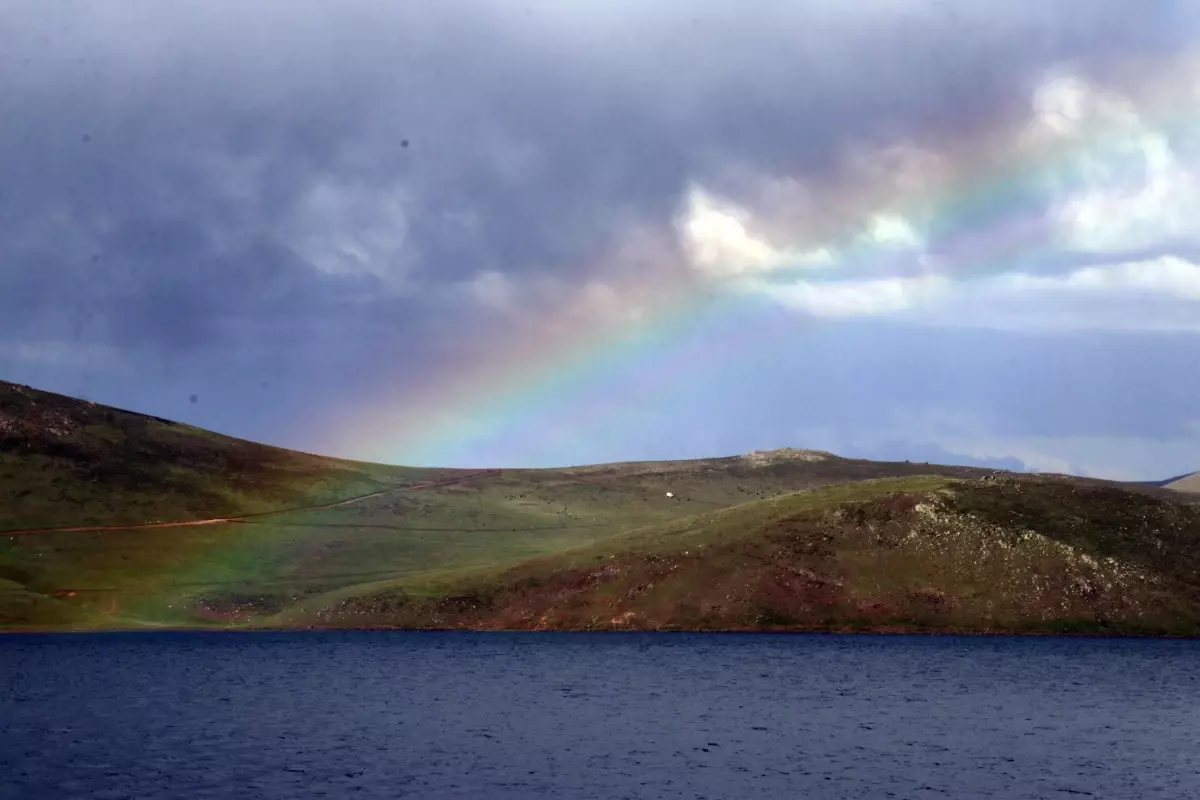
(760, 457)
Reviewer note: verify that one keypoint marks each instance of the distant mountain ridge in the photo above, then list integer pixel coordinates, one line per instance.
(1185, 483)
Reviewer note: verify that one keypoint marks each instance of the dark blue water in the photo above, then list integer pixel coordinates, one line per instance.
(607, 716)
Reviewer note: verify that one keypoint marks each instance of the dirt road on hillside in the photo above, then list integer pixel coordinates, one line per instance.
(413, 487)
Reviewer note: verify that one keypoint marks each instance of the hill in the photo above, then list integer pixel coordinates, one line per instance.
(1015, 555)
(65, 461)
(113, 519)
(1186, 483)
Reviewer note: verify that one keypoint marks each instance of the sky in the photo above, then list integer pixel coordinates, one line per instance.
(483, 232)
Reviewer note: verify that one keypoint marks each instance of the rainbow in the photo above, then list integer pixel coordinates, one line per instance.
(512, 391)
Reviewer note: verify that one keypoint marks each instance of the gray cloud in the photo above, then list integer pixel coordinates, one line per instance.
(211, 176)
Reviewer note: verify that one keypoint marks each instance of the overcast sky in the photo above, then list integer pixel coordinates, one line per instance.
(953, 231)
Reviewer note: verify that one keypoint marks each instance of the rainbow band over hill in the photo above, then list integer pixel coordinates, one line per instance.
(511, 389)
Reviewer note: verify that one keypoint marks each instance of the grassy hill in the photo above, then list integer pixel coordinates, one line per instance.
(70, 462)
(780, 539)
(1029, 555)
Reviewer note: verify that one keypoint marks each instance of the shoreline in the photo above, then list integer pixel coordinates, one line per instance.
(882, 631)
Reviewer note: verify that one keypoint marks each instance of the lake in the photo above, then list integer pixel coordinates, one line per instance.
(454, 715)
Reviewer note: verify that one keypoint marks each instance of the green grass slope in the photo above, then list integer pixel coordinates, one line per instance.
(1019, 555)
(65, 461)
(68, 463)
(244, 573)
(458, 548)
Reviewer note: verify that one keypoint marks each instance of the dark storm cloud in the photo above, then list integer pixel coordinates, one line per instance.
(160, 160)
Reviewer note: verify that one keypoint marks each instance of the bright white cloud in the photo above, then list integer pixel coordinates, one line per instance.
(1149, 200)
(716, 236)
(855, 298)
(1121, 184)
(1169, 277)
(892, 230)
(1154, 294)
(1159, 294)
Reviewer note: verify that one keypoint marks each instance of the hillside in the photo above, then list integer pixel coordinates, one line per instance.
(1024, 555)
(65, 461)
(111, 519)
(1187, 483)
